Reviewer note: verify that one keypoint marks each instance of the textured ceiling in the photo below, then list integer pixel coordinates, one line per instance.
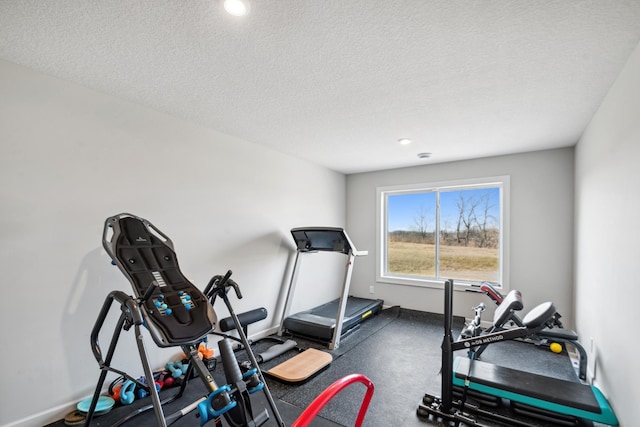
(339, 82)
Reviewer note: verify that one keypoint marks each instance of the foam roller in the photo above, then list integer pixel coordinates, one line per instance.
(276, 350)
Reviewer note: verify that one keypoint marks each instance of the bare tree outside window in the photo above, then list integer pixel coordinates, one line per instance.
(422, 222)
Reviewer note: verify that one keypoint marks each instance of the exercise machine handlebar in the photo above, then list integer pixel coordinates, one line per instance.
(471, 329)
(220, 283)
(131, 314)
(330, 392)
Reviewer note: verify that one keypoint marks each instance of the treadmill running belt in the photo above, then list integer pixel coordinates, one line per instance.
(320, 322)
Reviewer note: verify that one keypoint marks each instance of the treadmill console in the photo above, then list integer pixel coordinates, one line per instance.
(330, 239)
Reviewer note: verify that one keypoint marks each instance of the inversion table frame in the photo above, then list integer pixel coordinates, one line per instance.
(176, 314)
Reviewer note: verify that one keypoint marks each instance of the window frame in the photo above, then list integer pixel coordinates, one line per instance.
(503, 182)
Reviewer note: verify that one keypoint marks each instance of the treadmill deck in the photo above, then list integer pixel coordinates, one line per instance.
(319, 322)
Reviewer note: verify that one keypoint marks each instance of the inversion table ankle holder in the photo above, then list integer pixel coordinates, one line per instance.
(176, 314)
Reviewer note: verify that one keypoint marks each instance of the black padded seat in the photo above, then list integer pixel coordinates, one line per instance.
(539, 315)
(512, 302)
(177, 312)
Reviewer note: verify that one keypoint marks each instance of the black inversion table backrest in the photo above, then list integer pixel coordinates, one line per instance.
(176, 311)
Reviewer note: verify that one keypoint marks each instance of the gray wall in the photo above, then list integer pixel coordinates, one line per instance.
(607, 237)
(541, 228)
(71, 157)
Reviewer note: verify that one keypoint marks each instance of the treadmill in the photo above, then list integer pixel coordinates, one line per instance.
(327, 322)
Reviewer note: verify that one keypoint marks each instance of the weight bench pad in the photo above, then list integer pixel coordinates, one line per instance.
(512, 302)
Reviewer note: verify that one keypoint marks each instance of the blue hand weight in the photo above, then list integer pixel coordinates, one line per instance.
(127, 395)
(175, 368)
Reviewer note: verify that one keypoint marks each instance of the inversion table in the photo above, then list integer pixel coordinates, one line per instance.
(176, 314)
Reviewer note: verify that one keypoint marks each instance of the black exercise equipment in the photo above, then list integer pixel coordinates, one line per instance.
(298, 369)
(505, 316)
(494, 294)
(551, 399)
(282, 346)
(328, 322)
(176, 314)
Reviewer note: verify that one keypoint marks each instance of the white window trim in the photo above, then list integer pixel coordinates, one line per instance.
(381, 230)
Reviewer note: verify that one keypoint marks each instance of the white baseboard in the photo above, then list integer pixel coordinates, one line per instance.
(45, 417)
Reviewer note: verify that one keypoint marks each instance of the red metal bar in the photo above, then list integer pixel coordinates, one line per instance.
(329, 393)
(492, 293)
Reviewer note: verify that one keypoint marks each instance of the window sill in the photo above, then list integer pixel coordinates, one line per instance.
(459, 285)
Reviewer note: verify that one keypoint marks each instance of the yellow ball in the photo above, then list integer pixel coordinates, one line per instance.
(555, 347)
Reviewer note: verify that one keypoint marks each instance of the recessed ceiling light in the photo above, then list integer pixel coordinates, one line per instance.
(236, 7)
(404, 141)
(424, 155)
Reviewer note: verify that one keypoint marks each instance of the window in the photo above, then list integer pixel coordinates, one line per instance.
(428, 233)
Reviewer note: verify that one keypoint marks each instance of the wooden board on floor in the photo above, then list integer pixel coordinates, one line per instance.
(302, 366)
